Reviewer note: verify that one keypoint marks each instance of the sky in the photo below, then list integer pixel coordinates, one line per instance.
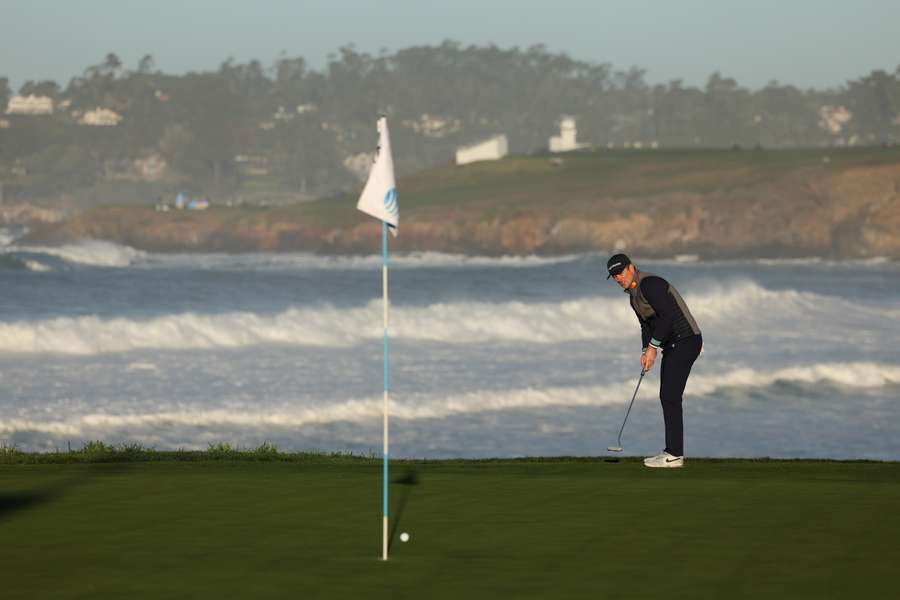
(808, 43)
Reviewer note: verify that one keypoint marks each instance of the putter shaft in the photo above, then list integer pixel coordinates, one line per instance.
(618, 446)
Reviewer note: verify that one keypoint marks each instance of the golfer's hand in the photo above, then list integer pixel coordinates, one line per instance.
(648, 358)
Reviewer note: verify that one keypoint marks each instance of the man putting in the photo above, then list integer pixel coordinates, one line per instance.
(667, 325)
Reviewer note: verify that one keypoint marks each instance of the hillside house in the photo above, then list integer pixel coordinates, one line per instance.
(100, 117)
(493, 148)
(29, 105)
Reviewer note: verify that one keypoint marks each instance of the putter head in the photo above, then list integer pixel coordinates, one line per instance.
(614, 448)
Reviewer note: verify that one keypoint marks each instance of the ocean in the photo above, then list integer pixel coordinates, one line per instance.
(490, 357)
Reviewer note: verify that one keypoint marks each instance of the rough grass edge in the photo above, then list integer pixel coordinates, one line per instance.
(100, 452)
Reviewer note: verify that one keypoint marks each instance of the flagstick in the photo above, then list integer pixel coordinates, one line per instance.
(379, 199)
(384, 270)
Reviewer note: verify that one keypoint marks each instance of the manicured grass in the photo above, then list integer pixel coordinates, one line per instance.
(306, 526)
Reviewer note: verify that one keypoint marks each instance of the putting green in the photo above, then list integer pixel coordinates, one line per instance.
(491, 529)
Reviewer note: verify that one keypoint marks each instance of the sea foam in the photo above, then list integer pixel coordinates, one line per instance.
(89, 252)
(292, 414)
(307, 261)
(741, 305)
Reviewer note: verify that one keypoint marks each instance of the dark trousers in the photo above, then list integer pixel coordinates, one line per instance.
(678, 358)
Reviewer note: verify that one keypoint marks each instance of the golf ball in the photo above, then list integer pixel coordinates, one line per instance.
(404, 537)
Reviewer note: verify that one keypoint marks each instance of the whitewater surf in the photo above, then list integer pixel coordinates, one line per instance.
(492, 356)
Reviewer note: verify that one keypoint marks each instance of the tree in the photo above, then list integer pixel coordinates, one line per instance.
(41, 88)
(146, 64)
(97, 85)
(783, 115)
(727, 111)
(307, 158)
(248, 82)
(213, 114)
(290, 86)
(5, 93)
(112, 64)
(874, 101)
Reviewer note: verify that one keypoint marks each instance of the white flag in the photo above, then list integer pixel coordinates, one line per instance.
(379, 197)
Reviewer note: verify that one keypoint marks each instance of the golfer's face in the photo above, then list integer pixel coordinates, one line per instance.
(625, 278)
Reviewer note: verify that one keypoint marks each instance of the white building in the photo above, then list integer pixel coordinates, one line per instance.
(100, 117)
(283, 115)
(493, 148)
(150, 168)
(433, 126)
(253, 165)
(359, 164)
(29, 105)
(567, 138)
(833, 118)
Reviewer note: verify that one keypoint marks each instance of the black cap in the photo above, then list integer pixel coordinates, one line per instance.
(616, 264)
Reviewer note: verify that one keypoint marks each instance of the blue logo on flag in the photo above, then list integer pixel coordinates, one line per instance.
(390, 203)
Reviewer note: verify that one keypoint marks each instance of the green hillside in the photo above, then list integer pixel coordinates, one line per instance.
(583, 183)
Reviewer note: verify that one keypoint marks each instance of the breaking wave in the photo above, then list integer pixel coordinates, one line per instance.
(423, 406)
(36, 266)
(307, 261)
(452, 323)
(10, 234)
(93, 253)
(109, 254)
(855, 374)
(322, 326)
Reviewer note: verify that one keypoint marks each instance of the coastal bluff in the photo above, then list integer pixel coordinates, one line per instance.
(835, 203)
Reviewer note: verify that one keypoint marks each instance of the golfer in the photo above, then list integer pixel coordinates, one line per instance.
(667, 326)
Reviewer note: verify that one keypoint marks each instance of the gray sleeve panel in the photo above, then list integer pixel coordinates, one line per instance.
(645, 328)
(645, 333)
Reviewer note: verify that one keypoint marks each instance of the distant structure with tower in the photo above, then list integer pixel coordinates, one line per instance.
(567, 140)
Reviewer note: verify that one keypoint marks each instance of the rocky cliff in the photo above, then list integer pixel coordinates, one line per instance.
(29, 214)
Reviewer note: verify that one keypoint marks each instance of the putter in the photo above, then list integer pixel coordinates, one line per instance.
(618, 446)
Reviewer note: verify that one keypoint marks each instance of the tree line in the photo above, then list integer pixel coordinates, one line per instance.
(304, 123)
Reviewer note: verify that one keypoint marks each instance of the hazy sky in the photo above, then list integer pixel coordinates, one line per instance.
(809, 43)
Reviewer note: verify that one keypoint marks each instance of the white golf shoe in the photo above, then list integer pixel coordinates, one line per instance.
(664, 460)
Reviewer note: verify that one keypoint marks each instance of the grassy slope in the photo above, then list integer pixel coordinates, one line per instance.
(586, 184)
(514, 529)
